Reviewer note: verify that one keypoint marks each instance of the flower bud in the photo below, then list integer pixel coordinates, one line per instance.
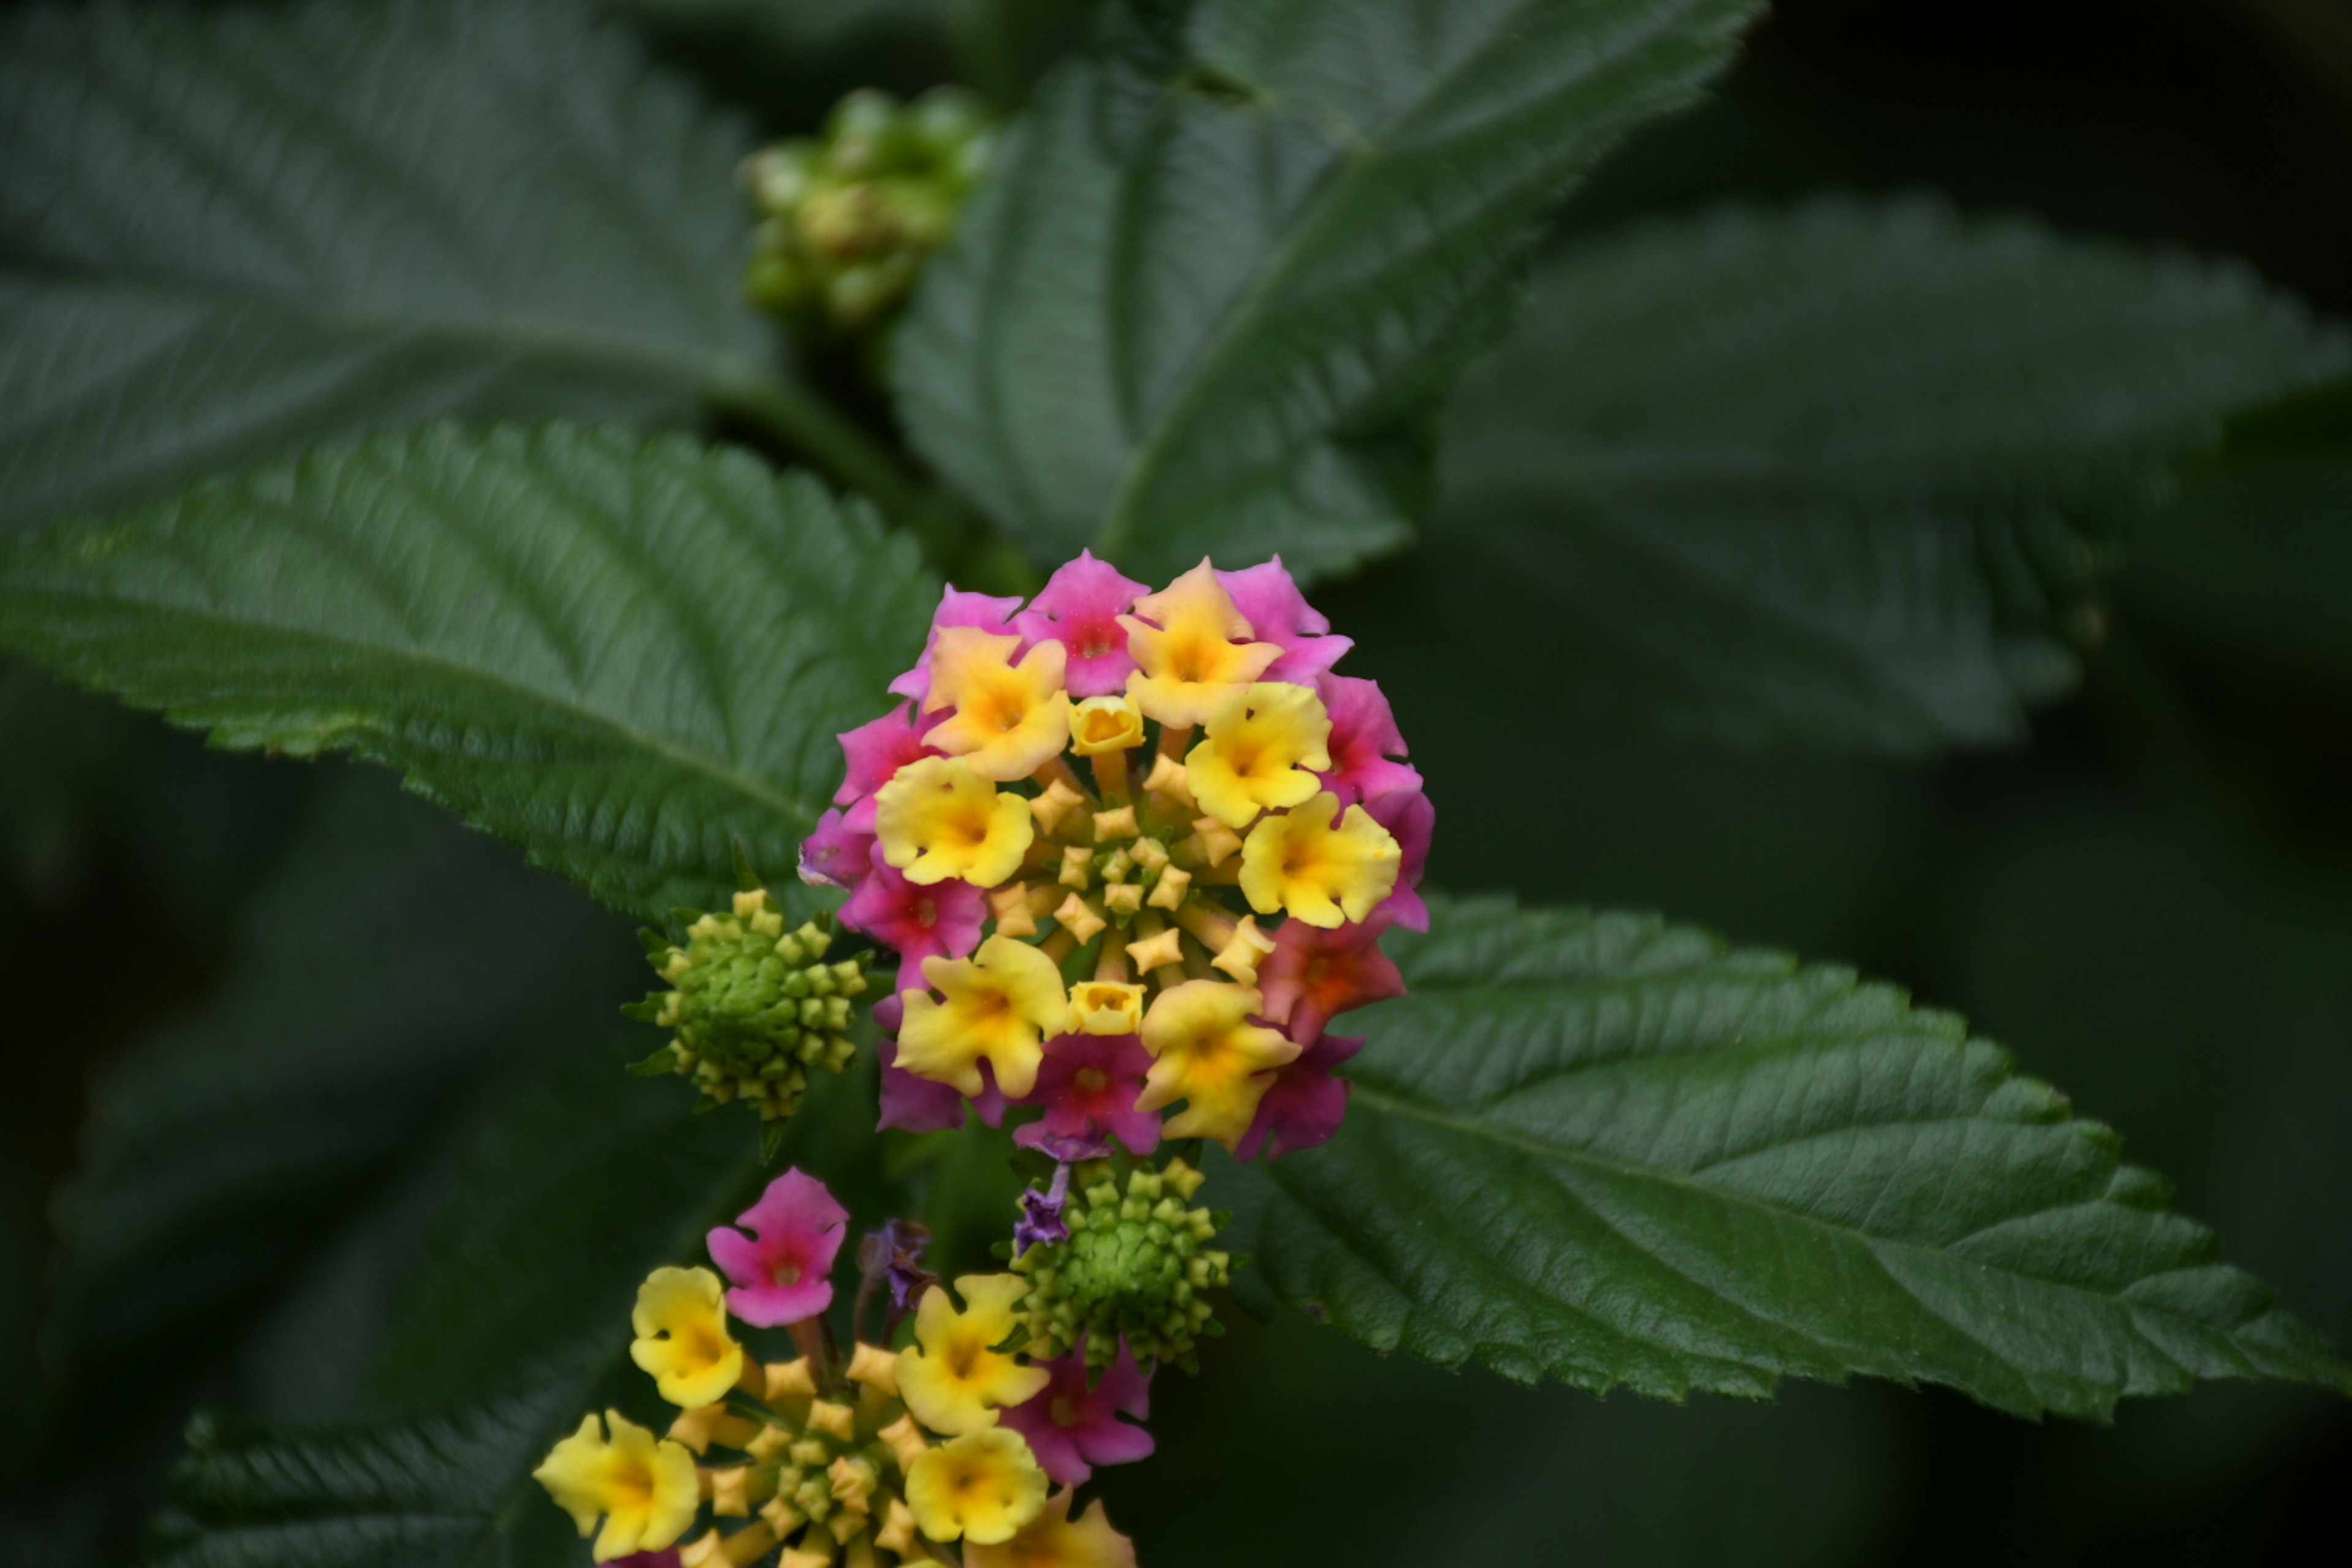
(1134, 1264)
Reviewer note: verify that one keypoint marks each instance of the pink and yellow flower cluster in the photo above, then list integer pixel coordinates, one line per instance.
(1134, 849)
(878, 1458)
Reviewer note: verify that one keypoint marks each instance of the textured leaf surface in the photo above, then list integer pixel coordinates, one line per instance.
(226, 235)
(1212, 294)
(1848, 474)
(589, 1183)
(623, 656)
(388, 966)
(1611, 1150)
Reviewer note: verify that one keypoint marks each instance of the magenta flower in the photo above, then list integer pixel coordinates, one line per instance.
(1080, 608)
(1089, 1085)
(1072, 1428)
(940, 920)
(1364, 737)
(782, 1270)
(1409, 817)
(836, 854)
(1314, 976)
(1305, 1104)
(957, 608)
(1278, 613)
(877, 750)
(666, 1558)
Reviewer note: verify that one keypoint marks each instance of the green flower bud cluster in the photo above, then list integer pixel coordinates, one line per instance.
(1136, 1265)
(756, 1008)
(831, 1472)
(848, 218)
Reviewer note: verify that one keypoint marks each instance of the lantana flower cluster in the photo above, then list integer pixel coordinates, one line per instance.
(868, 1459)
(1134, 849)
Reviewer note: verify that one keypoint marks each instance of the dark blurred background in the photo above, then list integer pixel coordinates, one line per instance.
(2152, 904)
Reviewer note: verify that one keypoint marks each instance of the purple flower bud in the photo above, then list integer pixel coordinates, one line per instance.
(1041, 1214)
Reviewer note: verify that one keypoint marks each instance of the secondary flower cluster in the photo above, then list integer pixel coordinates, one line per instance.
(869, 1460)
(850, 217)
(1135, 850)
(755, 1007)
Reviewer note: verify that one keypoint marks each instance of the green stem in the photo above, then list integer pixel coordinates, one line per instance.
(958, 542)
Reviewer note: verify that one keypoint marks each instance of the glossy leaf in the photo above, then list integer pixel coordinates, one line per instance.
(1226, 269)
(1851, 475)
(226, 234)
(624, 656)
(1614, 1151)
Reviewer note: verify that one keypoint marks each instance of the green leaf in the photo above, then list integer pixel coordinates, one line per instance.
(228, 234)
(392, 966)
(1847, 474)
(1611, 1150)
(1225, 271)
(623, 655)
(518, 1323)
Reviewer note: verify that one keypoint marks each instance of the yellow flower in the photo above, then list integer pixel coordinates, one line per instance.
(938, 819)
(1001, 1003)
(1102, 724)
(1189, 662)
(645, 1490)
(1009, 718)
(982, 1486)
(1106, 1007)
(1266, 743)
(952, 1381)
(1322, 874)
(682, 1338)
(1206, 1053)
(1054, 1540)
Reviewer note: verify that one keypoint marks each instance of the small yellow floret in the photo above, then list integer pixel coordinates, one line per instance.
(1323, 874)
(1009, 718)
(1196, 654)
(1102, 724)
(1206, 1053)
(1106, 1007)
(982, 1486)
(952, 1381)
(682, 1338)
(1055, 1540)
(1244, 951)
(646, 1489)
(938, 819)
(1001, 1005)
(1266, 743)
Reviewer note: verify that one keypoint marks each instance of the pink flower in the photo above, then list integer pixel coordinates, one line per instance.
(957, 608)
(836, 854)
(1089, 1085)
(1072, 1428)
(1305, 1104)
(1313, 975)
(781, 1270)
(1364, 736)
(941, 920)
(1080, 607)
(666, 1558)
(1278, 613)
(876, 751)
(1410, 818)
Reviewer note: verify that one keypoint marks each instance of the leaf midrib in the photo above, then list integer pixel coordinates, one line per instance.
(1392, 1103)
(694, 762)
(548, 336)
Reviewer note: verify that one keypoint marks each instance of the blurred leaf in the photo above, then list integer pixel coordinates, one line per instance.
(516, 1325)
(1846, 475)
(1223, 272)
(228, 234)
(390, 962)
(1614, 1152)
(624, 656)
